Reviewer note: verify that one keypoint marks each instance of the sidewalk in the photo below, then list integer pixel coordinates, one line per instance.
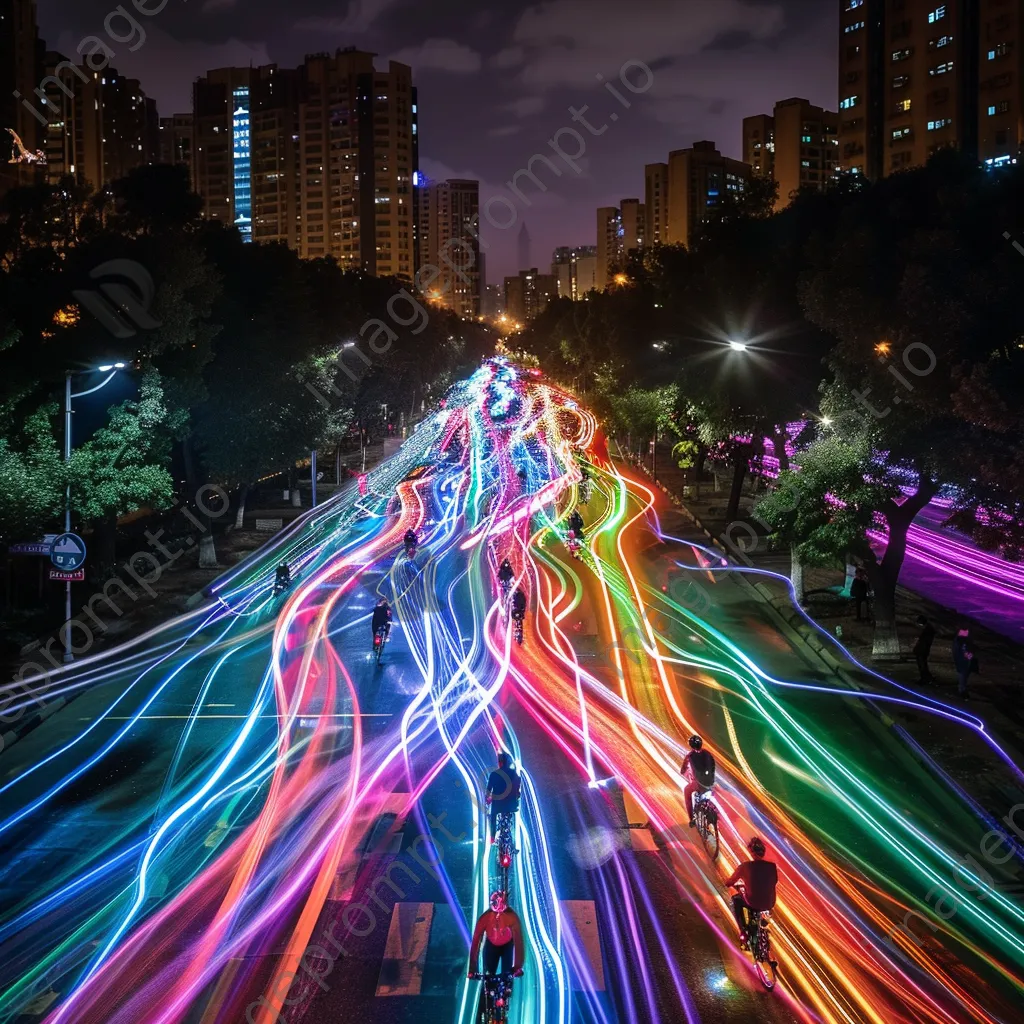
(996, 692)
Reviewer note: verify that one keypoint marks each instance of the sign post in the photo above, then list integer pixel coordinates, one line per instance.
(67, 553)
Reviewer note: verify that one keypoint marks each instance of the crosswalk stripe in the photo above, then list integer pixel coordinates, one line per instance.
(581, 917)
(405, 954)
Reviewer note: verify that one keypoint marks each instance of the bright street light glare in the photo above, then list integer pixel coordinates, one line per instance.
(738, 346)
(825, 421)
(120, 366)
(103, 369)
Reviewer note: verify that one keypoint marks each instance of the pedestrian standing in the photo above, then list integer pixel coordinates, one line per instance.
(922, 648)
(860, 591)
(965, 660)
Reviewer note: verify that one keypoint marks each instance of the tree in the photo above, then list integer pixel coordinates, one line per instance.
(31, 477)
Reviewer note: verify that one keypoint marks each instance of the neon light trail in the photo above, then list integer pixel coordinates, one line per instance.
(245, 818)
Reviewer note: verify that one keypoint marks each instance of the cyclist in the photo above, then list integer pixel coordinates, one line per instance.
(759, 878)
(381, 618)
(503, 787)
(501, 933)
(519, 604)
(575, 523)
(701, 765)
(283, 578)
(505, 575)
(411, 540)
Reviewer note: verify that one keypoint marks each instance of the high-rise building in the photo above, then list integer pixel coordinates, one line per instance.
(176, 139)
(323, 158)
(21, 110)
(528, 294)
(360, 162)
(797, 146)
(100, 124)
(493, 303)
(450, 264)
(221, 160)
(916, 76)
(575, 269)
(620, 230)
(656, 203)
(759, 144)
(698, 181)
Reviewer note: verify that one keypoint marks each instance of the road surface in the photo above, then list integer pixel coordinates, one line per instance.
(245, 817)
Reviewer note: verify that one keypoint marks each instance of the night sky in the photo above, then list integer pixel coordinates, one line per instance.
(496, 80)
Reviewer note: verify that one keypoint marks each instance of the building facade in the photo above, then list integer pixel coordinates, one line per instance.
(528, 294)
(176, 139)
(797, 146)
(100, 124)
(621, 230)
(699, 179)
(21, 69)
(575, 270)
(916, 76)
(323, 158)
(449, 267)
(656, 203)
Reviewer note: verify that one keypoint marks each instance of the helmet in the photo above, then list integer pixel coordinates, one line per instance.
(504, 760)
(756, 847)
(696, 742)
(499, 902)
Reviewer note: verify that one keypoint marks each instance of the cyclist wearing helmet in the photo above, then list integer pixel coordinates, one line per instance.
(701, 765)
(501, 933)
(503, 787)
(519, 604)
(759, 877)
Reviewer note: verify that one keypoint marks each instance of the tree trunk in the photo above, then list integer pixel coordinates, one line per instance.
(738, 475)
(884, 574)
(796, 574)
(243, 494)
(207, 552)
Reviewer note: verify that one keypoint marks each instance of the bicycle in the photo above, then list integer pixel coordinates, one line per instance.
(504, 836)
(495, 997)
(380, 638)
(760, 947)
(705, 817)
(517, 627)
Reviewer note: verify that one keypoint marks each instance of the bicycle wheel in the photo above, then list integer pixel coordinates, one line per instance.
(709, 834)
(763, 962)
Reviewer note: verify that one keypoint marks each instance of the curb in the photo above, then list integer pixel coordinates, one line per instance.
(9, 738)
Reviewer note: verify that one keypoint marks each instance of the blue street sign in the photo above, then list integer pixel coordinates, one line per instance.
(67, 551)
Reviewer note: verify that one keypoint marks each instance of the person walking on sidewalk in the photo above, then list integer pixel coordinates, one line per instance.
(922, 648)
(860, 591)
(965, 660)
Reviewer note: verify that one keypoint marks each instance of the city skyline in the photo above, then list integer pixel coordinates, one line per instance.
(493, 91)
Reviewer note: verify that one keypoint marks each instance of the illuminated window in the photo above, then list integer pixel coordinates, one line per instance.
(850, 101)
(854, 27)
(937, 15)
(941, 69)
(901, 54)
(903, 106)
(942, 122)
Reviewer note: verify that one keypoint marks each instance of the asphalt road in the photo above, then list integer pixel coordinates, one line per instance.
(245, 817)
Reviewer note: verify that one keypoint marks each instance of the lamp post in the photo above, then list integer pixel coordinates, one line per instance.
(111, 371)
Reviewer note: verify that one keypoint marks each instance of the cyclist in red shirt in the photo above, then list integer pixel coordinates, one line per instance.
(759, 877)
(700, 764)
(501, 933)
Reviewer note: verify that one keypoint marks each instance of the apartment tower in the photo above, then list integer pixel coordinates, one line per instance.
(450, 270)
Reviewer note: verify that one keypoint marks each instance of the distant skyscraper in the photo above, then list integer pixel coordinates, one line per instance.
(798, 146)
(575, 269)
(917, 76)
(493, 300)
(523, 243)
(450, 269)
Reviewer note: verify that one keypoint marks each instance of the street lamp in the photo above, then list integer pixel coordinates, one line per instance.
(738, 346)
(111, 370)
